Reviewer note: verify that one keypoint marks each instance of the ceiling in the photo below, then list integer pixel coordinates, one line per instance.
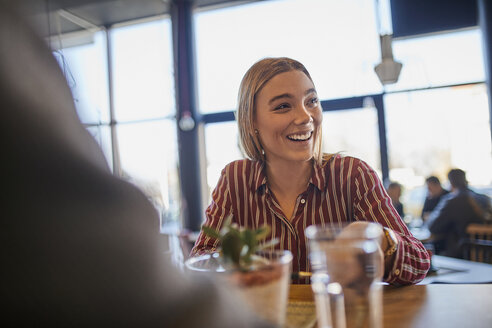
(410, 17)
(101, 12)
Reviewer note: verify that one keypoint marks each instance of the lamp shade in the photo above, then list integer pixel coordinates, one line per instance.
(388, 70)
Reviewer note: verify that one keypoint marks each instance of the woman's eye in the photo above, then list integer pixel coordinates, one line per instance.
(313, 101)
(281, 106)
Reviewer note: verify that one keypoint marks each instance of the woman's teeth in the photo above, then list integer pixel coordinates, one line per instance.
(300, 137)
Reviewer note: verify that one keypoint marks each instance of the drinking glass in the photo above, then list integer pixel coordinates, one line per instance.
(264, 286)
(347, 264)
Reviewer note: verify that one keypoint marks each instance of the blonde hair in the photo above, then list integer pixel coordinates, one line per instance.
(253, 81)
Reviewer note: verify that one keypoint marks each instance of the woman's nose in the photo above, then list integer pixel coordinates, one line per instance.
(303, 116)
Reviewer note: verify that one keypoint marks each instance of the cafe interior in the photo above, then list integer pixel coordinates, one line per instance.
(404, 85)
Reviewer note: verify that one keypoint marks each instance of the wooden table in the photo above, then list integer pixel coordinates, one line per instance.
(457, 271)
(440, 305)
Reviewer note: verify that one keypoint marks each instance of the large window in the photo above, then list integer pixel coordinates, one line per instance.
(353, 133)
(143, 75)
(436, 60)
(149, 159)
(223, 141)
(144, 108)
(432, 131)
(85, 68)
(141, 135)
(336, 40)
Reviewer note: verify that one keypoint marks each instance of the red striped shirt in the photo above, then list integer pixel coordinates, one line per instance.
(342, 189)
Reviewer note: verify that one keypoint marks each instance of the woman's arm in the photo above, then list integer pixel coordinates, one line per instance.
(410, 262)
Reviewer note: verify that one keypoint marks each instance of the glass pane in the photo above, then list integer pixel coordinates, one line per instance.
(102, 134)
(149, 159)
(441, 59)
(85, 68)
(337, 41)
(430, 132)
(143, 71)
(354, 133)
(220, 150)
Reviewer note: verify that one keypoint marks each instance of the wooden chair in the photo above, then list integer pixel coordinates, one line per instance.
(478, 246)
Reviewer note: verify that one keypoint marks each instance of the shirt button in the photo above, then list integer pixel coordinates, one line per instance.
(397, 272)
(303, 201)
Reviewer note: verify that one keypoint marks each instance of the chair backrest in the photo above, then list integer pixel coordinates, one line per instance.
(478, 246)
(479, 231)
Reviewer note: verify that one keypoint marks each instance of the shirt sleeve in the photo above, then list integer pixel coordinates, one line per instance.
(372, 203)
(219, 209)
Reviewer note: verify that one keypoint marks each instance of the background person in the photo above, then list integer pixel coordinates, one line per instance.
(435, 192)
(394, 191)
(288, 184)
(79, 247)
(456, 210)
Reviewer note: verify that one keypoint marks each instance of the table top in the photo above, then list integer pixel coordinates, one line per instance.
(456, 271)
(435, 305)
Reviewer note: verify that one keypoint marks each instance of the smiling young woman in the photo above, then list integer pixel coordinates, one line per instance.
(288, 183)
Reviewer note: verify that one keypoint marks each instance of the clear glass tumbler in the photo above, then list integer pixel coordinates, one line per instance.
(348, 267)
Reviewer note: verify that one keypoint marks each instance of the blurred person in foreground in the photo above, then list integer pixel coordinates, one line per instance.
(394, 191)
(79, 247)
(289, 184)
(456, 210)
(435, 192)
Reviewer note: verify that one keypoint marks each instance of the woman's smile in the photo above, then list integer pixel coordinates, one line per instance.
(300, 137)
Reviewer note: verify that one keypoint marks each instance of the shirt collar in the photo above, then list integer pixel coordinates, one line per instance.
(318, 177)
(260, 174)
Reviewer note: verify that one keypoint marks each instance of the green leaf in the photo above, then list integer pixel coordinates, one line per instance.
(231, 247)
(239, 244)
(248, 238)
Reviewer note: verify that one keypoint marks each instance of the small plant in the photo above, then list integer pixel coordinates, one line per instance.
(238, 244)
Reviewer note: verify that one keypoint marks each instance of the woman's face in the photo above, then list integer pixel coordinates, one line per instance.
(288, 116)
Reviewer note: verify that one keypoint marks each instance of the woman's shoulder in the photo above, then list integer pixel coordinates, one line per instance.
(337, 160)
(339, 164)
(244, 172)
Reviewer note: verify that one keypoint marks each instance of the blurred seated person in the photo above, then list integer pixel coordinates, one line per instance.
(288, 183)
(456, 210)
(394, 191)
(80, 247)
(434, 194)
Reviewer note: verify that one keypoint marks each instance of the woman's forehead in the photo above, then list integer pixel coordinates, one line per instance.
(292, 81)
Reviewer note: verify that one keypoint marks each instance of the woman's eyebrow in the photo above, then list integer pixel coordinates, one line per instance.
(288, 95)
(283, 95)
(308, 91)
